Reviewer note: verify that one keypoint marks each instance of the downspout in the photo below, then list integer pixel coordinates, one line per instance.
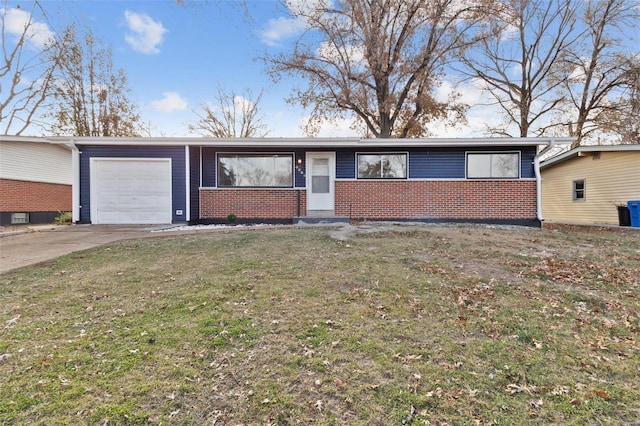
(536, 168)
(187, 172)
(75, 179)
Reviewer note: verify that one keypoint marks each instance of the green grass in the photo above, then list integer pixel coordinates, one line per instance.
(408, 325)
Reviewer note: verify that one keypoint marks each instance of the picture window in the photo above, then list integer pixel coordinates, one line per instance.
(255, 170)
(498, 165)
(382, 166)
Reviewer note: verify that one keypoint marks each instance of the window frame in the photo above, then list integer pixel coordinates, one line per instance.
(574, 190)
(466, 165)
(290, 155)
(381, 154)
(20, 218)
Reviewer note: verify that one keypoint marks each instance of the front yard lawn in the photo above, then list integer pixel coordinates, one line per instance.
(375, 325)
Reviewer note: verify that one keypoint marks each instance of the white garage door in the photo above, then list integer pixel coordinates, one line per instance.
(130, 191)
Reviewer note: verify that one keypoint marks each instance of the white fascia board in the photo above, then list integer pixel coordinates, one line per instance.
(588, 148)
(34, 140)
(319, 142)
(9, 138)
(467, 142)
(222, 142)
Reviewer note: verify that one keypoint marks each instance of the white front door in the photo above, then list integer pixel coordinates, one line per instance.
(321, 176)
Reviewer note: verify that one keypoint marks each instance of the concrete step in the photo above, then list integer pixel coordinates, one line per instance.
(313, 220)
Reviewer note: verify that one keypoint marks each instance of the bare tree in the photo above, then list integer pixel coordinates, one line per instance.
(377, 60)
(597, 68)
(521, 46)
(623, 119)
(90, 97)
(234, 116)
(27, 67)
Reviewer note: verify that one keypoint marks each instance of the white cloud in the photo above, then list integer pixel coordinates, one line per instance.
(510, 33)
(171, 101)
(328, 51)
(242, 104)
(145, 34)
(38, 34)
(280, 29)
(471, 92)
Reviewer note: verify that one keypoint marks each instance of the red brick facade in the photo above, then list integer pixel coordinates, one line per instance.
(253, 203)
(464, 199)
(26, 196)
(376, 200)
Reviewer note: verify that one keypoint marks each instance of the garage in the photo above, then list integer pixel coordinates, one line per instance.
(130, 190)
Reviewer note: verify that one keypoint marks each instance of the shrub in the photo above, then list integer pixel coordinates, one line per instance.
(63, 218)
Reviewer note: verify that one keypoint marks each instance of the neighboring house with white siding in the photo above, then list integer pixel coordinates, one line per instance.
(587, 184)
(35, 180)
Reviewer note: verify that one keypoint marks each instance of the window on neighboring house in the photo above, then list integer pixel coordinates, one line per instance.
(382, 166)
(255, 170)
(579, 190)
(494, 165)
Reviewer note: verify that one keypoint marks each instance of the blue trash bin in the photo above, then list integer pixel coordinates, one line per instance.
(634, 212)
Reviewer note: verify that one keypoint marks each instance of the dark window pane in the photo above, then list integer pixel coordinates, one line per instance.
(255, 170)
(382, 166)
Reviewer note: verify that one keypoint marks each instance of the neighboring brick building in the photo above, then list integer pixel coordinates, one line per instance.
(278, 180)
(35, 180)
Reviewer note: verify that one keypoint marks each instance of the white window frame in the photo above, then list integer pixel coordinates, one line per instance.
(466, 164)
(405, 153)
(574, 190)
(256, 154)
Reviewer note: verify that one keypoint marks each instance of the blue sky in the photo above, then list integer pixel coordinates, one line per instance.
(176, 56)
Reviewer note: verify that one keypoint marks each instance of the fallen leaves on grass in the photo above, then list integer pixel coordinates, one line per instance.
(13, 321)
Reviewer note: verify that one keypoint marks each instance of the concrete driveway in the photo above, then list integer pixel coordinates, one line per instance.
(37, 244)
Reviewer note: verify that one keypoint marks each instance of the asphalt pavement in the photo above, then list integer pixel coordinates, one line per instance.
(25, 246)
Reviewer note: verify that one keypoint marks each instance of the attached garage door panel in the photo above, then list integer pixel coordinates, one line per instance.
(131, 191)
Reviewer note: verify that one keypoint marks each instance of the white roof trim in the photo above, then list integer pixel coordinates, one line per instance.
(314, 142)
(588, 148)
(33, 140)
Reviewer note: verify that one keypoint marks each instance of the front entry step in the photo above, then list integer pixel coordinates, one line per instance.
(314, 220)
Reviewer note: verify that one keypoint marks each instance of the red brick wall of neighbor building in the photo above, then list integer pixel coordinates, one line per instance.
(469, 199)
(26, 196)
(252, 203)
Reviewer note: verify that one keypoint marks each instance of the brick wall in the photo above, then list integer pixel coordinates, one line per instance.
(25, 196)
(469, 199)
(251, 203)
(457, 200)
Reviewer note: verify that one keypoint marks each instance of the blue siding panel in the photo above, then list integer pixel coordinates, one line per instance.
(176, 153)
(526, 162)
(437, 164)
(194, 183)
(300, 169)
(209, 167)
(346, 164)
